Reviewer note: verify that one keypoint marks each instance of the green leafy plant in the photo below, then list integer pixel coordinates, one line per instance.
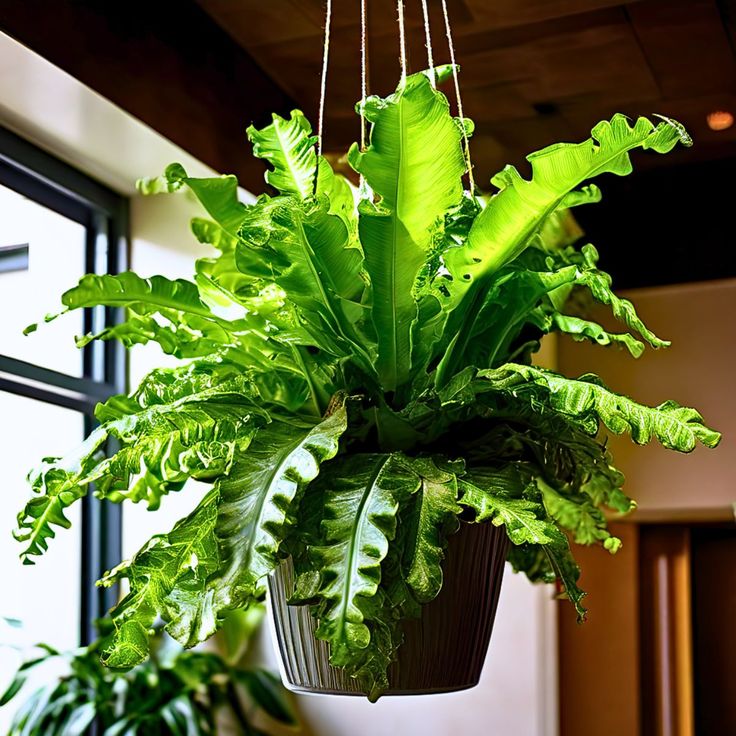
(358, 381)
(174, 693)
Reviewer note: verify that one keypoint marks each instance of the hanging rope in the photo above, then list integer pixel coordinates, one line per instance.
(363, 69)
(323, 82)
(402, 39)
(466, 142)
(402, 59)
(362, 185)
(428, 42)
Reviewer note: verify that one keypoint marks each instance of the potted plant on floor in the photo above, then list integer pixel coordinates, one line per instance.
(175, 692)
(358, 389)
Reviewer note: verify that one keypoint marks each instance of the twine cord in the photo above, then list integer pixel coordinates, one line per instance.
(428, 43)
(466, 142)
(323, 81)
(402, 61)
(402, 39)
(363, 70)
(362, 185)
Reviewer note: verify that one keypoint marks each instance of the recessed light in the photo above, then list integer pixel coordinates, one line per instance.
(719, 120)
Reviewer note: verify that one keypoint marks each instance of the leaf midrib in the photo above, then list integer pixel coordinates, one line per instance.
(276, 471)
(309, 253)
(54, 501)
(291, 163)
(126, 300)
(554, 201)
(394, 249)
(355, 537)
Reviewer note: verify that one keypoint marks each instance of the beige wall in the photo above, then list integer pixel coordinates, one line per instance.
(697, 370)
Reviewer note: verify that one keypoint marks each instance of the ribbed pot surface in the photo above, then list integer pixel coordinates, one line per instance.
(443, 651)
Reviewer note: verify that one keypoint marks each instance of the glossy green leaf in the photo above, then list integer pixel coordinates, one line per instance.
(498, 496)
(567, 572)
(432, 517)
(167, 578)
(181, 423)
(168, 312)
(360, 498)
(579, 516)
(583, 329)
(218, 195)
(309, 256)
(414, 165)
(599, 284)
(255, 501)
(56, 485)
(129, 290)
(512, 216)
(501, 316)
(676, 427)
(288, 145)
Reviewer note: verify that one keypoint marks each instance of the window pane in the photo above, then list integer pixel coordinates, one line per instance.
(140, 524)
(45, 597)
(56, 261)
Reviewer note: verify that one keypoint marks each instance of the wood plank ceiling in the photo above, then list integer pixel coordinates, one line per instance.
(533, 71)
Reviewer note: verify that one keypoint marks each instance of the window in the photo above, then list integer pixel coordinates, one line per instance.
(55, 225)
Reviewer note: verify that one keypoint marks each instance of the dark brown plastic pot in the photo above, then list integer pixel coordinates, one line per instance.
(443, 651)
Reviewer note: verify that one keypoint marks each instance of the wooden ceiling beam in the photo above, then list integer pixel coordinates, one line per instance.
(686, 45)
(167, 63)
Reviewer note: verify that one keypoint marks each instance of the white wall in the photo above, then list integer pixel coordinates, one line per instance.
(517, 695)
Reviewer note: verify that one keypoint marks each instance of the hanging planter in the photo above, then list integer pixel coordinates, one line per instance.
(443, 650)
(358, 390)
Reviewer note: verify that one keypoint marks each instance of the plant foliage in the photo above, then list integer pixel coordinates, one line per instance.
(175, 693)
(357, 378)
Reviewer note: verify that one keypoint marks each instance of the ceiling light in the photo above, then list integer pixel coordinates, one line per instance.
(720, 120)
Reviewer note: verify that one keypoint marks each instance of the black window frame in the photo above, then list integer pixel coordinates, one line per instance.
(104, 213)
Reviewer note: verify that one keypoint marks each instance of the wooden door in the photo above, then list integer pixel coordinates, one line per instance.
(629, 668)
